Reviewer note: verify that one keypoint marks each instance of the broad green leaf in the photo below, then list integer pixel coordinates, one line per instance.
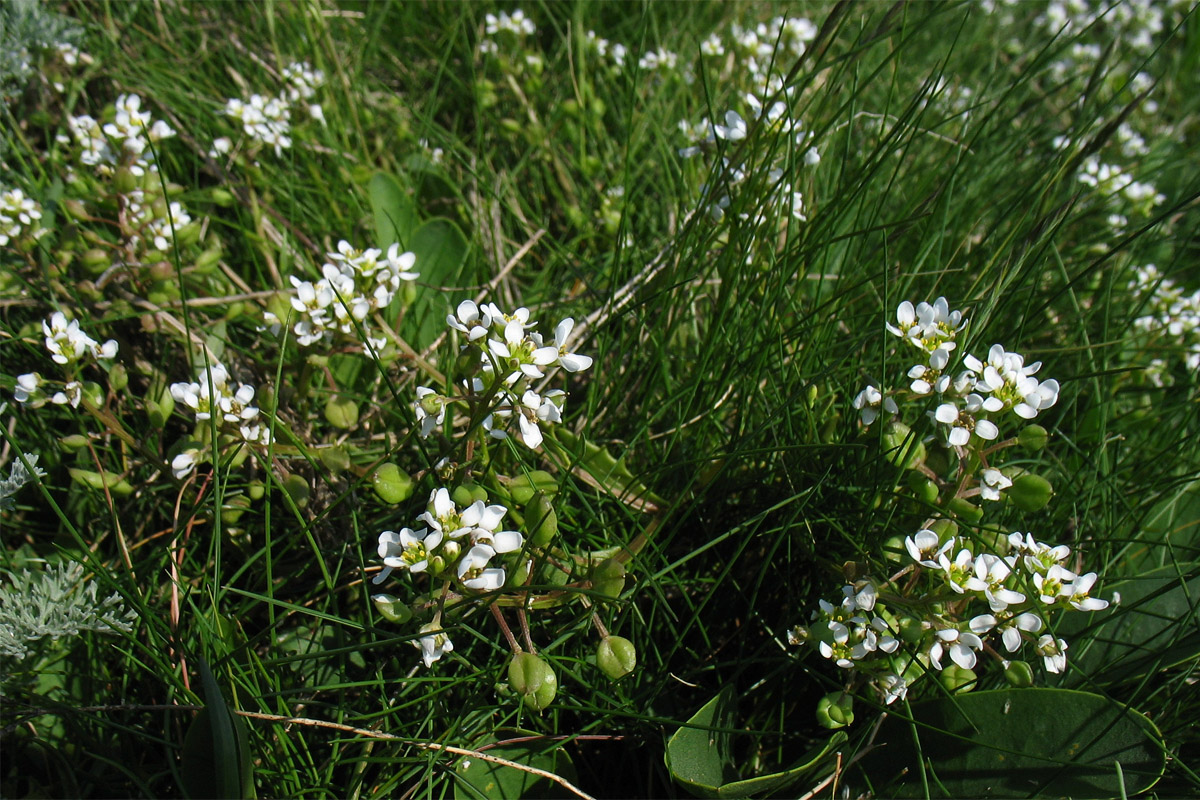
(1017, 743)
(597, 467)
(699, 755)
(1155, 626)
(441, 250)
(216, 750)
(395, 215)
(1170, 531)
(485, 779)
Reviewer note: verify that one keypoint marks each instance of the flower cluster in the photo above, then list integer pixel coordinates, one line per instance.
(121, 142)
(215, 393)
(1171, 312)
(20, 217)
(267, 119)
(969, 399)
(355, 284)
(954, 598)
(512, 356)
(70, 348)
(460, 545)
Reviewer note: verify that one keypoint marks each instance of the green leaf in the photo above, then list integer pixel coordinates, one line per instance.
(1155, 627)
(1017, 743)
(395, 215)
(699, 755)
(216, 750)
(441, 250)
(485, 779)
(1170, 531)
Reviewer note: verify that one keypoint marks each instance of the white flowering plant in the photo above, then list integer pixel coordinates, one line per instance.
(431, 400)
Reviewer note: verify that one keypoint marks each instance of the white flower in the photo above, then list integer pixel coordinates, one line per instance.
(469, 319)
(1053, 652)
(474, 573)
(734, 128)
(402, 263)
(408, 549)
(1077, 594)
(925, 549)
(571, 362)
(992, 483)
(184, 463)
(28, 390)
(429, 420)
(959, 644)
(869, 401)
(433, 644)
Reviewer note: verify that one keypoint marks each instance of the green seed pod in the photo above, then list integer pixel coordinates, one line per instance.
(118, 378)
(912, 630)
(76, 441)
(924, 489)
(233, 509)
(336, 459)
(341, 411)
(391, 608)
(835, 710)
(524, 487)
(95, 261)
(958, 680)
(901, 448)
(75, 209)
(1030, 492)
(115, 484)
(965, 510)
(125, 181)
(256, 490)
(608, 578)
(894, 550)
(616, 657)
(392, 485)
(208, 260)
(1019, 674)
(533, 679)
(542, 521)
(1033, 438)
(462, 496)
(297, 489)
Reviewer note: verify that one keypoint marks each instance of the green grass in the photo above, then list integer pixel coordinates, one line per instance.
(727, 356)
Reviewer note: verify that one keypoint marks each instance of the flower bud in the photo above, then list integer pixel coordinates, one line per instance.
(1030, 492)
(392, 485)
(1033, 438)
(533, 679)
(608, 578)
(391, 609)
(1019, 674)
(958, 680)
(835, 710)
(901, 448)
(341, 411)
(542, 521)
(616, 657)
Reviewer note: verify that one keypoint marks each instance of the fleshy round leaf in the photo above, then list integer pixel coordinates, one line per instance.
(1018, 743)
